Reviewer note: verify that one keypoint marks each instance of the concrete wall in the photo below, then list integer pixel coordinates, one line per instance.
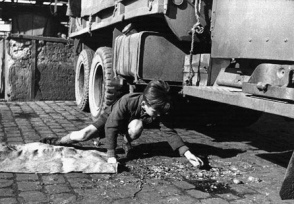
(39, 70)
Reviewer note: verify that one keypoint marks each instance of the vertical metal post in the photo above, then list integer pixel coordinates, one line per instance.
(33, 69)
(55, 7)
(2, 52)
(6, 70)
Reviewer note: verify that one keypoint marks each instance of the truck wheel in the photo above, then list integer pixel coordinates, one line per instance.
(82, 79)
(102, 92)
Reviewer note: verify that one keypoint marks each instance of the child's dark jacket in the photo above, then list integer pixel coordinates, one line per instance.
(117, 117)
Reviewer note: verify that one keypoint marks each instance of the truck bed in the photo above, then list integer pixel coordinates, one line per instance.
(104, 13)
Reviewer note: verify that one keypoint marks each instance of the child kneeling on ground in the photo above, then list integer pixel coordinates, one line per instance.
(129, 115)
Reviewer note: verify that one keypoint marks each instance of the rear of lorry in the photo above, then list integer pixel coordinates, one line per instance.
(251, 56)
(122, 45)
(234, 56)
(237, 53)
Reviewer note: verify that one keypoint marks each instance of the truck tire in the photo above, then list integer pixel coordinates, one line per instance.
(102, 92)
(82, 79)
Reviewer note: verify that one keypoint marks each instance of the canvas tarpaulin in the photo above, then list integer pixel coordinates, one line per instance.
(127, 55)
(44, 158)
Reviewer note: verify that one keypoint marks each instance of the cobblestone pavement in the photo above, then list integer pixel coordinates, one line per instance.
(241, 165)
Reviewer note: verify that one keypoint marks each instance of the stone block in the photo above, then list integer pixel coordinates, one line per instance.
(5, 183)
(64, 198)
(125, 201)
(198, 194)
(14, 139)
(33, 197)
(57, 188)
(6, 175)
(183, 185)
(92, 195)
(53, 179)
(6, 192)
(8, 200)
(167, 190)
(80, 182)
(148, 197)
(28, 186)
(214, 201)
(179, 199)
(26, 177)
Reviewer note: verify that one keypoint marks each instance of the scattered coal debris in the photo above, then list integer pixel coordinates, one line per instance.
(216, 179)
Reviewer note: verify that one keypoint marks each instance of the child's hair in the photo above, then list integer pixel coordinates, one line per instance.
(156, 95)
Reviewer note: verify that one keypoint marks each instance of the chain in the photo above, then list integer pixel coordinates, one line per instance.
(90, 25)
(150, 4)
(199, 29)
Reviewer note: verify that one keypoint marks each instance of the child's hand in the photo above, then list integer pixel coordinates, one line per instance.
(51, 140)
(195, 161)
(112, 160)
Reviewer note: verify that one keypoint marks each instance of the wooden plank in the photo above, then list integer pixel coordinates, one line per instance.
(33, 69)
(2, 47)
(48, 39)
(6, 71)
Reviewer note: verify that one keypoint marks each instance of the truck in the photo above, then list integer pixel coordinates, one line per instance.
(234, 55)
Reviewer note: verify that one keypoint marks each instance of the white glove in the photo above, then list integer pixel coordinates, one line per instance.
(112, 160)
(195, 161)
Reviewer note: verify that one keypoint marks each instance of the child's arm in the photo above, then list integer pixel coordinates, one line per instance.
(116, 121)
(172, 137)
(176, 143)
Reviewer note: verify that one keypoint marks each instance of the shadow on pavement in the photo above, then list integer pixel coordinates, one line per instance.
(281, 159)
(271, 133)
(163, 149)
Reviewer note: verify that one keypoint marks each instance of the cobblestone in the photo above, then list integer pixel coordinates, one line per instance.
(57, 188)
(53, 179)
(80, 182)
(167, 190)
(8, 201)
(6, 175)
(64, 198)
(26, 177)
(33, 197)
(157, 175)
(29, 186)
(183, 185)
(214, 201)
(198, 194)
(5, 183)
(151, 197)
(6, 192)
